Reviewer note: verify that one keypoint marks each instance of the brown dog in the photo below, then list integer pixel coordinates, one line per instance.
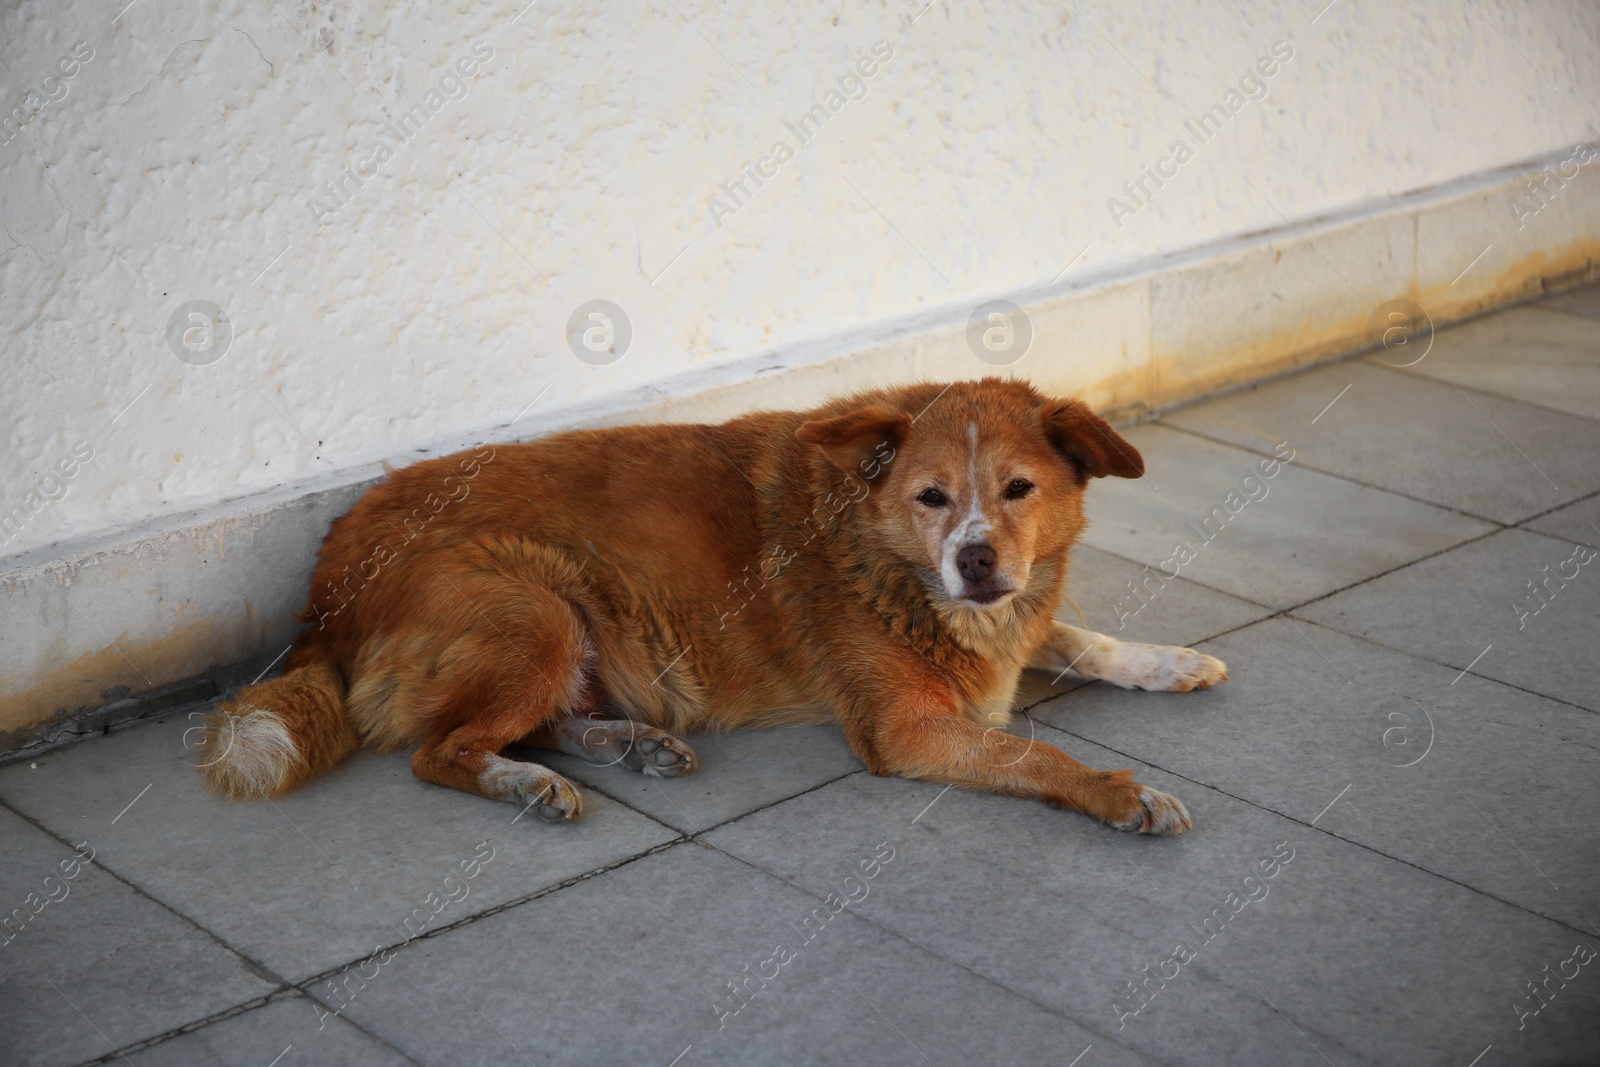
(890, 562)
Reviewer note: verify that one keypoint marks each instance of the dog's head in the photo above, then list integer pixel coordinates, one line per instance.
(975, 482)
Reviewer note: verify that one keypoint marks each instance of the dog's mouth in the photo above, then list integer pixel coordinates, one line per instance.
(985, 596)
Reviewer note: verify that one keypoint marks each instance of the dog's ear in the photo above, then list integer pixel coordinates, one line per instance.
(862, 436)
(1089, 441)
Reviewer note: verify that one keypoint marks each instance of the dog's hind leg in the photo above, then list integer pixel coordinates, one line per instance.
(606, 742)
(1124, 663)
(522, 658)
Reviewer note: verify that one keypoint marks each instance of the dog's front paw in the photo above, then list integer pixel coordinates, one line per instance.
(1193, 670)
(1166, 668)
(1148, 811)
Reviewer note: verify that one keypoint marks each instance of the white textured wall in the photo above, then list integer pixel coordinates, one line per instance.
(177, 163)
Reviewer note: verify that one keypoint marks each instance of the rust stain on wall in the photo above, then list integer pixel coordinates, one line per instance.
(108, 674)
(1285, 345)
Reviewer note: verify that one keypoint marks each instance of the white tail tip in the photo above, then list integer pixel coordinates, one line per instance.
(249, 752)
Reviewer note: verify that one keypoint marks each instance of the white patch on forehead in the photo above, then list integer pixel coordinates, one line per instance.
(972, 528)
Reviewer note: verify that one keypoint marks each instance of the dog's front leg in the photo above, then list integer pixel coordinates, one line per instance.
(1125, 663)
(920, 738)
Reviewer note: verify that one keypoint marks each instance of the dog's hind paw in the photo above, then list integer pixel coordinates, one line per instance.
(1157, 813)
(551, 796)
(638, 747)
(658, 754)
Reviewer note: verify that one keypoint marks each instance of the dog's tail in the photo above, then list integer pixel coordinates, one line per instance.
(276, 735)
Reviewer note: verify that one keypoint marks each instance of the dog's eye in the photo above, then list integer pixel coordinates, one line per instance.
(931, 498)
(1018, 489)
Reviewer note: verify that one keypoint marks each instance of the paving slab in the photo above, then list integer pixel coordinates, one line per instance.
(1475, 606)
(1585, 302)
(1529, 353)
(1457, 775)
(1343, 956)
(1576, 523)
(1304, 535)
(1136, 602)
(294, 1032)
(656, 944)
(88, 964)
(325, 875)
(738, 773)
(1474, 453)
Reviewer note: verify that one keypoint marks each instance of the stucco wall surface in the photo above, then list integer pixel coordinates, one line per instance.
(391, 210)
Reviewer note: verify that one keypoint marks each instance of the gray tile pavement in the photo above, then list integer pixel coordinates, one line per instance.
(1067, 913)
(89, 964)
(1585, 301)
(1529, 353)
(692, 953)
(1211, 513)
(1479, 454)
(294, 1031)
(1520, 607)
(1136, 602)
(1454, 774)
(324, 875)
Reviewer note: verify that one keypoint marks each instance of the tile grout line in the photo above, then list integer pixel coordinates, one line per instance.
(290, 993)
(302, 988)
(1332, 592)
(1202, 435)
(696, 839)
(42, 748)
(1179, 578)
(683, 839)
(1213, 788)
(1534, 404)
(693, 839)
(987, 979)
(284, 986)
(1288, 615)
(190, 1027)
(468, 920)
(1393, 570)
(1300, 822)
(1559, 507)
(782, 800)
(253, 965)
(1441, 663)
(687, 835)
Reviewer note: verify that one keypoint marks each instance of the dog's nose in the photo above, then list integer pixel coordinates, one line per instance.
(975, 562)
